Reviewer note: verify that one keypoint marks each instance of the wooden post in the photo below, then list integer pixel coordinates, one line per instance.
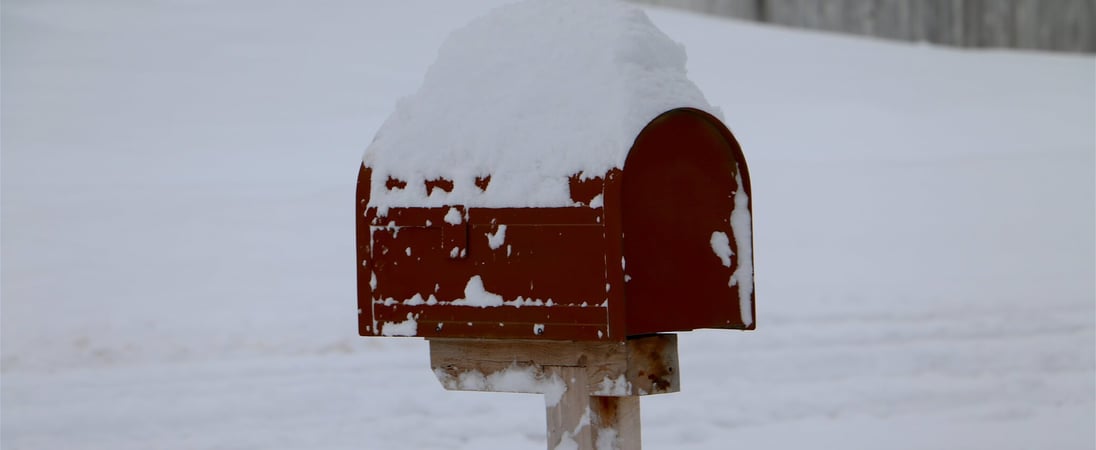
(615, 422)
(591, 389)
(569, 416)
(591, 422)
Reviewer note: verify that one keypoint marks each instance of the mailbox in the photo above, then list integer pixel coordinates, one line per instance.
(661, 244)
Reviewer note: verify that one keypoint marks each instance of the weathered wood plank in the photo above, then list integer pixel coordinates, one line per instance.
(652, 365)
(640, 366)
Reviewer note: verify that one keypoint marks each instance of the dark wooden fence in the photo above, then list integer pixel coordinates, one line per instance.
(1062, 25)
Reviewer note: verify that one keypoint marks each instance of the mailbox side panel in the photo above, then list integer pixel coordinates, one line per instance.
(680, 189)
(530, 273)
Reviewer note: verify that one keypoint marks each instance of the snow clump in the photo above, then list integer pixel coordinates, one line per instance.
(530, 94)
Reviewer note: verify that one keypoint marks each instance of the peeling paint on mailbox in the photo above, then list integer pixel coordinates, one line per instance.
(638, 253)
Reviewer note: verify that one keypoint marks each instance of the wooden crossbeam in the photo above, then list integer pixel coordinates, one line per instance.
(591, 389)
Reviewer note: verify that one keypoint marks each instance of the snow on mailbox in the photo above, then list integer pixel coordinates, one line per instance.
(566, 182)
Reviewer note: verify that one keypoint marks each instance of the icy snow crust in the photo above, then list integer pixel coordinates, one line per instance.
(529, 95)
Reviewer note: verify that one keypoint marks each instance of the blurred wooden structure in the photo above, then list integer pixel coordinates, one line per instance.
(1060, 25)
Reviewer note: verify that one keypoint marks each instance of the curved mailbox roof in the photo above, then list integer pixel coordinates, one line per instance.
(530, 94)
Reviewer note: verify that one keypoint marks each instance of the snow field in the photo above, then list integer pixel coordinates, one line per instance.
(178, 254)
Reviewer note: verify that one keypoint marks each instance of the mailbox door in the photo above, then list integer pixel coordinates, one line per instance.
(678, 193)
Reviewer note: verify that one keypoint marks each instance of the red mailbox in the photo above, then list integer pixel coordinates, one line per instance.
(662, 244)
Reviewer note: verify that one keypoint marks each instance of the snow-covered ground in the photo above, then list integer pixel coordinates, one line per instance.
(178, 260)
